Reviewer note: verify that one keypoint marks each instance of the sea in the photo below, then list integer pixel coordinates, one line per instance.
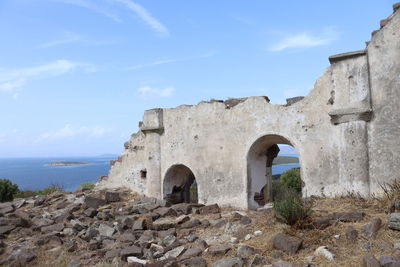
(32, 174)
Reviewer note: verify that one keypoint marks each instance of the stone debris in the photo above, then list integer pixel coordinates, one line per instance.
(324, 252)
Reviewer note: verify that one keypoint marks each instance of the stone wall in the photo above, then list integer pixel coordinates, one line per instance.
(346, 132)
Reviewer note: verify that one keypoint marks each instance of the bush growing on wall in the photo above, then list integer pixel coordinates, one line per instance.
(7, 190)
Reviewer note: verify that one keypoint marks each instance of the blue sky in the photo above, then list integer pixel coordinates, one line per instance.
(76, 75)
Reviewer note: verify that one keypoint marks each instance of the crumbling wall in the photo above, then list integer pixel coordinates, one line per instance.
(345, 132)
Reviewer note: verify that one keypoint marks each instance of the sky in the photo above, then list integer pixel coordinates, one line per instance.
(76, 75)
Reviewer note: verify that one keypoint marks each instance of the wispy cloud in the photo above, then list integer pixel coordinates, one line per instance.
(151, 92)
(13, 79)
(71, 38)
(306, 40)
(93, 7)
(71, 131)
(146, 17)
(164, 61)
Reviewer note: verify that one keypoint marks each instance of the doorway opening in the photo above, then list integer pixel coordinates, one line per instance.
(180, 185)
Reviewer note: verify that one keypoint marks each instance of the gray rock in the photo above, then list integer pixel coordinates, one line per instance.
(370, 230)
(6, 207)
(369, 260)
(139, 224)
(112, 197)
(286, 243)
(388, 261)
(245, 220)
(348, 216)
(244, 251)
(90, 212)
(106, 230)
(281, 264)
(6, 229)
(168, 240)
(174, 253)
(229, 262)
(351, 234)
(394, 221)
(192, 252)
(94, 202)
(131, 251)
(165, 211)
(219, 250)
(164, 224)
(194, 262)
(214, 208)
(39, 200)
(190, 224)
(113, 253)
(52, 228)
(257, 260)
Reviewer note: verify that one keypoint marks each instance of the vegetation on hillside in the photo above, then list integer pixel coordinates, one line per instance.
(285, 160)
(7, 190)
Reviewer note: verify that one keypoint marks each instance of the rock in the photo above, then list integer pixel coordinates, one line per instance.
(388, 261)
(218, 223)
(39, 201)
(258, 260)
(190, 224)
(396, 245)
(201, 244)
(131, 251)
(370, 230)
(396, 6)
(348, 216)
(182, 208)
(192, 238)
(219, 250)
(244, 251)
(286, 243)
(6, 207)
(94, 202)
(72, 246)
(324, 252)
(23, 256)
(234, 240)
(113, 253)
(127, 237)
(174, 253)
(228, 262)
(94, 245)
(336, 236)
(248, 237)
(245, 220)
(322, 222)
(192, 252)
(112, 197)
(168, 240)
(257, 233)
(277, 254)
(106, 230)
(52, 228)
(6, 229)
(214, 208)
(282, 264)
(351, 234)
(394, 221)
(164, 211)
(163, 234)
(367, 245)
(164, 224)
(194, 262)
(182, 219)
(22, 214)
(139, 224)
(134, 260)
(90, 212)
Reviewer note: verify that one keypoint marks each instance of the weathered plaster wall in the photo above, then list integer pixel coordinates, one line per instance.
(346, 132)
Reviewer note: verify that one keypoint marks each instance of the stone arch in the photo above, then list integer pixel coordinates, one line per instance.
(179, 185)
(260, 157)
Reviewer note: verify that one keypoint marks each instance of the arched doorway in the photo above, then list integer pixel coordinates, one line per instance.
(260, 160)
(180, 185)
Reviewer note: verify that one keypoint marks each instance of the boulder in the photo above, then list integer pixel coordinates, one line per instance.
(112, 197)
(370, 230)
(348, 216)
(228, 262)
(219, 250)
(245, 251)
(394, 221)
(286, 243)
(351, 234)
(164, 224)
(94, 202)
(131, 251)
(214, 208)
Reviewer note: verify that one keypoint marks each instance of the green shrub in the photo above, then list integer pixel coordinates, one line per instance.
(87, 185)
(25, 194)
(51, 189)
(291, 179)
(7, 190)
(293, 209)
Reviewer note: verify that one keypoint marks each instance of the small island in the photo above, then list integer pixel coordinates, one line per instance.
(66, 163)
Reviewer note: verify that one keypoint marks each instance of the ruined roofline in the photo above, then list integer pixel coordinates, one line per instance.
(342, 56)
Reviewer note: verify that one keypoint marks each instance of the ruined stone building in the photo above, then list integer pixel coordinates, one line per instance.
(346, 133)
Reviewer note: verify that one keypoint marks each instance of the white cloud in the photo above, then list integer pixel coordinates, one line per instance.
(305, 40)
(14, 79)
(146, 17)
(71, 131)
(93, 7)
(71, 38)
(169, 61)
(148, 91)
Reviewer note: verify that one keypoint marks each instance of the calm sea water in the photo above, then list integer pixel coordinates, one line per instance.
(30, 173)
